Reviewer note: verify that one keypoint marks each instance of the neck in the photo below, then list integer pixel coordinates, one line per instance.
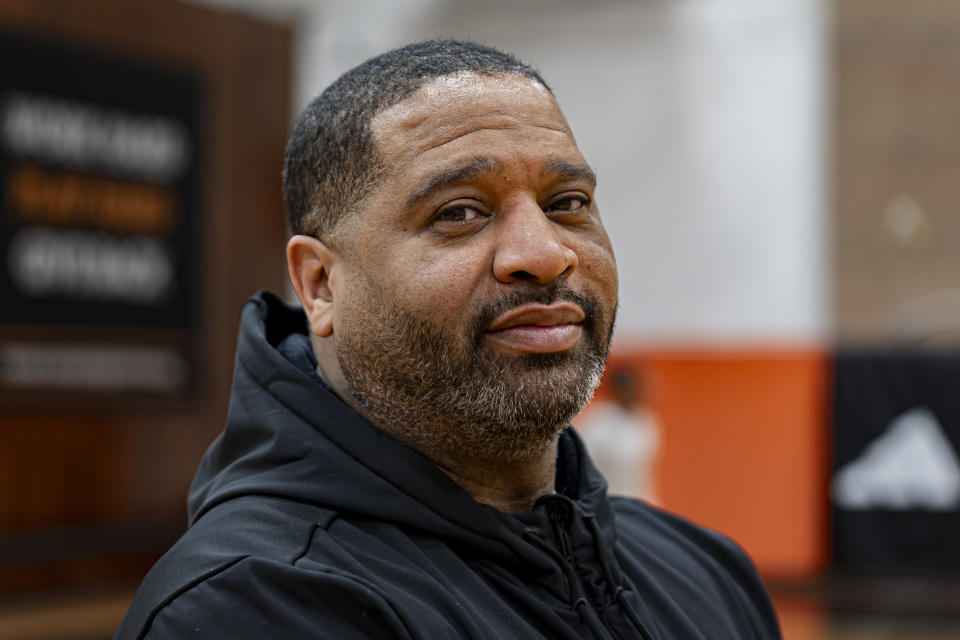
(510, 486)
(511, 481)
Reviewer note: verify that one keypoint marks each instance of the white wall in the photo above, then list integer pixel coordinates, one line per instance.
(705, 122)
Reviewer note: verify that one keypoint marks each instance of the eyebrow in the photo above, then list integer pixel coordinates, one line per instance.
(564, 169)
(486, 164)
(454, 174)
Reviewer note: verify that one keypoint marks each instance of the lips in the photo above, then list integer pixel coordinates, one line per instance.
(538, 328)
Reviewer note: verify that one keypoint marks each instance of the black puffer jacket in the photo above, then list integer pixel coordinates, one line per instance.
(309, 522)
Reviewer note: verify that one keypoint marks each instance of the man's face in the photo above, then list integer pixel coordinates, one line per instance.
(479, 286)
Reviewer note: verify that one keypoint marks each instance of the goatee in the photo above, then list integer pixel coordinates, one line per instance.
(436, 390)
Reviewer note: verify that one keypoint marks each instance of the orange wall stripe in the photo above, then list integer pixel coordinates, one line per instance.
(743, 446)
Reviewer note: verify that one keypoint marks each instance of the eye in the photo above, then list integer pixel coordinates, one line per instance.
(459, 214)
(569, 204)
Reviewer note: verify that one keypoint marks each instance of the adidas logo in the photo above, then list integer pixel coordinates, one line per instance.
(911, 466)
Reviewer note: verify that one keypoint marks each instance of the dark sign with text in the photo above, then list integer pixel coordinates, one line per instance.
(98, 226)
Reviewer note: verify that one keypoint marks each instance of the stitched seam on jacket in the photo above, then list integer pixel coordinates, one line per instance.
(306, 547)
(366, 586)
(187, 587)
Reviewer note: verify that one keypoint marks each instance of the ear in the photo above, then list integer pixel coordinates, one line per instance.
(314, 271)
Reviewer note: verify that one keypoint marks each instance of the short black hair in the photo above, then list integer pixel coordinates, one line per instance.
(331, 161)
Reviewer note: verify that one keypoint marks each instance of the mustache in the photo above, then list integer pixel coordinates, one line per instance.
(554, 292)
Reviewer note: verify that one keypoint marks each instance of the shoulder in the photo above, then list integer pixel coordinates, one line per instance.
(234, 574)
(666, 531)
(691, 560)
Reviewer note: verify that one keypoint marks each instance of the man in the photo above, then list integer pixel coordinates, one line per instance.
(405, 471)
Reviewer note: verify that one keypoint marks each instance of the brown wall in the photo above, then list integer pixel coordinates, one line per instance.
(97, 493)
(897, 167)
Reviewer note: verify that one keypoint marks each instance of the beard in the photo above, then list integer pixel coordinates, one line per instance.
(437, 391)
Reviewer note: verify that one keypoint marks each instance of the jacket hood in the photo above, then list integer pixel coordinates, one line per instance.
(289, 436)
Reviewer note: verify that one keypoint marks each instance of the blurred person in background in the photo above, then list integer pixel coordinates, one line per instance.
(623, 437)
(397, 462)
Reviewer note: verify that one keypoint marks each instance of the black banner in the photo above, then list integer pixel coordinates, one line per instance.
(98, 225)
(895, 489)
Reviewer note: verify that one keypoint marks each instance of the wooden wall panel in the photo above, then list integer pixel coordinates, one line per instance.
(84, 481)
(897, 164)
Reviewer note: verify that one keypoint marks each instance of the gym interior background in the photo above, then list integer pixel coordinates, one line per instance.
(778, 179)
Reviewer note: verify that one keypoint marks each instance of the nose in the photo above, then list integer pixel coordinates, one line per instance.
(531, 247)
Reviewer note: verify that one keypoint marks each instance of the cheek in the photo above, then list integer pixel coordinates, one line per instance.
(599, 267)
(442, 285)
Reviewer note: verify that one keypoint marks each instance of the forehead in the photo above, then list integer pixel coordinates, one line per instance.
(454, 114)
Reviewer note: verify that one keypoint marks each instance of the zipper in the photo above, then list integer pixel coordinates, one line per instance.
(603, 555)
(560, 515)
(561, 533)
